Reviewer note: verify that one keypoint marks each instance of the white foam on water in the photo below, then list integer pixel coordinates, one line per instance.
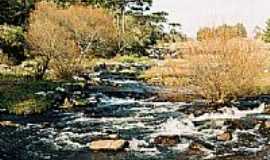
(116, 101)
(230, 113)
(181, 147)
(136, 145)
(64, 139)
(177, 127)
(123, 81)
(142, 147)
(249, 150)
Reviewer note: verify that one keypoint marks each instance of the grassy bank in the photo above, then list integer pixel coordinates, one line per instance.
(22, 97)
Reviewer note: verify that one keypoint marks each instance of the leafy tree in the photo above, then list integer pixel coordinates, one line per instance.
(258, 33)
(142, 32)
(124, 11)
(266, 35)
(225, 32)
(175, 32)
(205, 33)
(15, 12)
(12, 42)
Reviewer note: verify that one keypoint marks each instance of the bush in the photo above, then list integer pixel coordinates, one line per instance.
(21, 98)
(216, 69)
(61, 36)
(12, 41)
(229, 70)
(132, 59)
(169, 73)
(4, 58)
(51, 43)
(224, 31)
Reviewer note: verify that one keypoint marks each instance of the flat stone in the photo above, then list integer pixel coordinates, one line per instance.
(8, 124)
(108, 145)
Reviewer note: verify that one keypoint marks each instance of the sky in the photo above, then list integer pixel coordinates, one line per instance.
(194, 14)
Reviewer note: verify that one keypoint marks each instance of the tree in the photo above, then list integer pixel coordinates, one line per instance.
(205, 33)
(225, 32)
(266, 35)
(175, 32)
(12, 42)
(258, 33)
(142, 32)
(15, 12)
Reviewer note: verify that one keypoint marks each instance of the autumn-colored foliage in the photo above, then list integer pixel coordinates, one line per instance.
(224, 70)
(61, 36)
(224, 32)
(214, 69)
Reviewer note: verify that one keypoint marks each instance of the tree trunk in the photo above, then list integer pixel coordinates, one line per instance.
(123, 19)
(41, 70)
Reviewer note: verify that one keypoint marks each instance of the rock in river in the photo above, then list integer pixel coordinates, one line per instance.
(167, 140)
(226, 136)
(267, 124)
(8, 124)
(108, 145)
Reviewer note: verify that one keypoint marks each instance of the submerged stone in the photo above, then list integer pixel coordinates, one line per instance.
(196, 149)
(167, 140)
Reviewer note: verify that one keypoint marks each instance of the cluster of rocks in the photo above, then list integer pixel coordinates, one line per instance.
(118, 80)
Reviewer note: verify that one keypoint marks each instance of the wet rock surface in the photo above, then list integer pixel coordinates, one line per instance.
(119, 110)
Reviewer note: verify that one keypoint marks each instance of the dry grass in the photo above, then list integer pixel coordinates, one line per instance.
(168, 73)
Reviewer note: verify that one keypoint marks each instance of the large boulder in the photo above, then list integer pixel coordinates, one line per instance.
(108, 145)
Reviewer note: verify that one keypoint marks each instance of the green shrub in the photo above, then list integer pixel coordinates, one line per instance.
(22, 99)
(132, 59)
(12, 41)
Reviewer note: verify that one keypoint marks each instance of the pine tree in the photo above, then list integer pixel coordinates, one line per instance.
(266, 35)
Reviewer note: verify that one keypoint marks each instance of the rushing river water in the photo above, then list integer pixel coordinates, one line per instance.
(65, 135)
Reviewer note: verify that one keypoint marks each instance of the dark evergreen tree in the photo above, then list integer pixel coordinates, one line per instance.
(266, 35)
(15, 12)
